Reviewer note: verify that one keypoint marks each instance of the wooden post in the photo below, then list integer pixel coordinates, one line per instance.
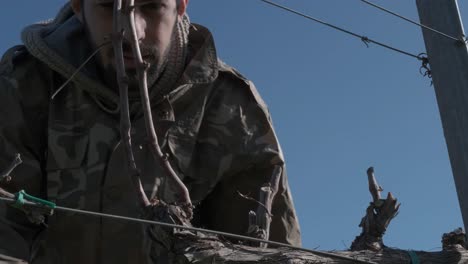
(449, 64)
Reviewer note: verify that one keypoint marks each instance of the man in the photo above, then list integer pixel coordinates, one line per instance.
(210, 121)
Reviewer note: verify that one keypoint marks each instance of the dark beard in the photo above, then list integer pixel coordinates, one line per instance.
(153, 72)
(108, 75)
(157, 65)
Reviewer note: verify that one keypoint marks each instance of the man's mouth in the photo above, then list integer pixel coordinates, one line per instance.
(131, 62)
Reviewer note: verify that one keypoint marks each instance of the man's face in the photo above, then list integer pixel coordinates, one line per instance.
(155, 21)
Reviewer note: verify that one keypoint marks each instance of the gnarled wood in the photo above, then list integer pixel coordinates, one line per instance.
(378, 216)
(206, 251)
(191, 248)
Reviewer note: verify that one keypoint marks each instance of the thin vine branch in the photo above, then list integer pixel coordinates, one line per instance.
(5, 176)
(142, 68)
(6, 194)
(122, 79)
(260, 220)
(253, 200)
(79, 69)
(374, 187)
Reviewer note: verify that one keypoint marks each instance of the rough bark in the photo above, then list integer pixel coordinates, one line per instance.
(233, 254)
(190, 248)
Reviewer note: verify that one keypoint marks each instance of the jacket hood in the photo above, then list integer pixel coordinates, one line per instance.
(61, 43)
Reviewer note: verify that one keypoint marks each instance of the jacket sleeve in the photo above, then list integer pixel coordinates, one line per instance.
(237, 152)
(21, 132)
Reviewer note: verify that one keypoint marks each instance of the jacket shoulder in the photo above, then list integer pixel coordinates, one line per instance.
(25, 79)
(11, 57)
(240, 82)
(25, 72)
(224, 68)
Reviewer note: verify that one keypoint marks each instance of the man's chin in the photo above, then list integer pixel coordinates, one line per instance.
(133, 83)
(130, 63)
(131, 72)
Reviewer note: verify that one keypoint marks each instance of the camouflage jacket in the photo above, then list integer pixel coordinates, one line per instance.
(214, 125)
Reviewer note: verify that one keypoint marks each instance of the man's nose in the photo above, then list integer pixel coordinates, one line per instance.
(140, 27)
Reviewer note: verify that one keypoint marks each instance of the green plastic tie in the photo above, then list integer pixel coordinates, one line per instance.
(22, 197)
(414, 257)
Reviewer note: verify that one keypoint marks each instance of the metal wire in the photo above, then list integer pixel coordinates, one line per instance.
(361, 37)
(195, 229)
(412, 21)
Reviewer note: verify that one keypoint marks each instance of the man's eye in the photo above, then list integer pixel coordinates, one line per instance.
(153, 6)
(107, 5)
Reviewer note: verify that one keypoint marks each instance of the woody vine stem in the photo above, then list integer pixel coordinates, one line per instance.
(124, 19)
(122, 80)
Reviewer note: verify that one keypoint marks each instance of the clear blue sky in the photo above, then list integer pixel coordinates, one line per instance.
(338, 108)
